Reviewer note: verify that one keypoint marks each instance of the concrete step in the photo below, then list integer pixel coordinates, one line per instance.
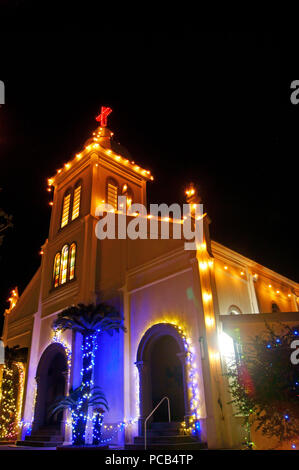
(163, 432)
(165, 425)
(47, 431)
(39, 443)
(176, 446)
(165, 439)
(40, 437)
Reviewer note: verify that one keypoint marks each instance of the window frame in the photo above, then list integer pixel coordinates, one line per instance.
(77, 185)
(69, 263)
(128, 193)
(68, 272)
(66, 193)
(113, 182)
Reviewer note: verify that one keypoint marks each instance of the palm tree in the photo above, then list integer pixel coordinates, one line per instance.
(89, 320)
(73, 402)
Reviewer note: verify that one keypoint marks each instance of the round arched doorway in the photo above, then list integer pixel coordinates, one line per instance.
(161, 364)
(51, 378)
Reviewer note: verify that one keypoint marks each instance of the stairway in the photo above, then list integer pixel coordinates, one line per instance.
(166, 436)
(47, 436)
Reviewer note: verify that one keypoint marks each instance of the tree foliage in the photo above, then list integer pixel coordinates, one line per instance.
(87, 319)
(264, 383)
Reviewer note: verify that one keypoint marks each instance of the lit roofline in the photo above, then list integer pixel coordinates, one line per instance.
(146, 174)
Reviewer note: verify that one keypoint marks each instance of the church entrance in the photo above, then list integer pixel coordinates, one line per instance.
(161, 364)
(51, 384)
(167, 379)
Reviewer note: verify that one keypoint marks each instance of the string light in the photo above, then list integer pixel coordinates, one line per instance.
(192, 426)
(11, 401)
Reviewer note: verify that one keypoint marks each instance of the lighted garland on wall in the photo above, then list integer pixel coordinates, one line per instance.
(57, 339)
(193, 424)
(27, 425)
(191, 427)
(11, 400)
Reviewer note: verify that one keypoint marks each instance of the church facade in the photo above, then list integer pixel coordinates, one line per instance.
(181, 310)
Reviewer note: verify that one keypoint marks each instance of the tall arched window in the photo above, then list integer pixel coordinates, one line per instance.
(274, 307)
(56, 270)
(127, 191)
(76, 201)
(72, 261)
(64, 264)
(112, 192)
(65, 209)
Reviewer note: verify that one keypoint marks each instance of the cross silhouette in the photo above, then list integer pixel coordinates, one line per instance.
(102, 118)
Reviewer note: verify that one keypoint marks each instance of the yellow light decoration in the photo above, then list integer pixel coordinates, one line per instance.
(203, 265)
(209, 321)
(207, 296)
(11, 400)
(13, 299)
(97, 145)
(214, 356)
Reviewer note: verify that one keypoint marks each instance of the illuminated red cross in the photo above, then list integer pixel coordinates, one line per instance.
(102, 118)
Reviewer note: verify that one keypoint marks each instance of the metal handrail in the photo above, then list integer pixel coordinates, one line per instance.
(146, 419)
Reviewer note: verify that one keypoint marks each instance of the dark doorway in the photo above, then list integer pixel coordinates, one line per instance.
(55, 388)
(51, 383)
(167, 379)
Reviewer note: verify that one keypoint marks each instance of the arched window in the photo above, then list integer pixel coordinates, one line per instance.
(112, 192)
(234, 310)
(275, 308)
(72, 261)
(64, 264)
(127, 191)
(56, 270)
(76, 201)
(66, 209)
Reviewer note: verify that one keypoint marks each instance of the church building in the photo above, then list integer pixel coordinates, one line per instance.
(184, 311)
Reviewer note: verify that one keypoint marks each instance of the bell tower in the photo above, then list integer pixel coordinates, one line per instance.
(100, 172)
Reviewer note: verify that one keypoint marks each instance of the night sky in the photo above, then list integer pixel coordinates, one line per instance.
(212, 108)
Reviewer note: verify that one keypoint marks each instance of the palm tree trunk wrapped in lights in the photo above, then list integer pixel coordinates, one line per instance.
(73, 401)
(97, 427)
(88, 320)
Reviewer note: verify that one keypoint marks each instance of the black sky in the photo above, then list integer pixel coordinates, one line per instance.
(212, 108)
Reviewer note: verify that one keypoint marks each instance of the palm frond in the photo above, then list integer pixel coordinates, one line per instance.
(87, 319)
